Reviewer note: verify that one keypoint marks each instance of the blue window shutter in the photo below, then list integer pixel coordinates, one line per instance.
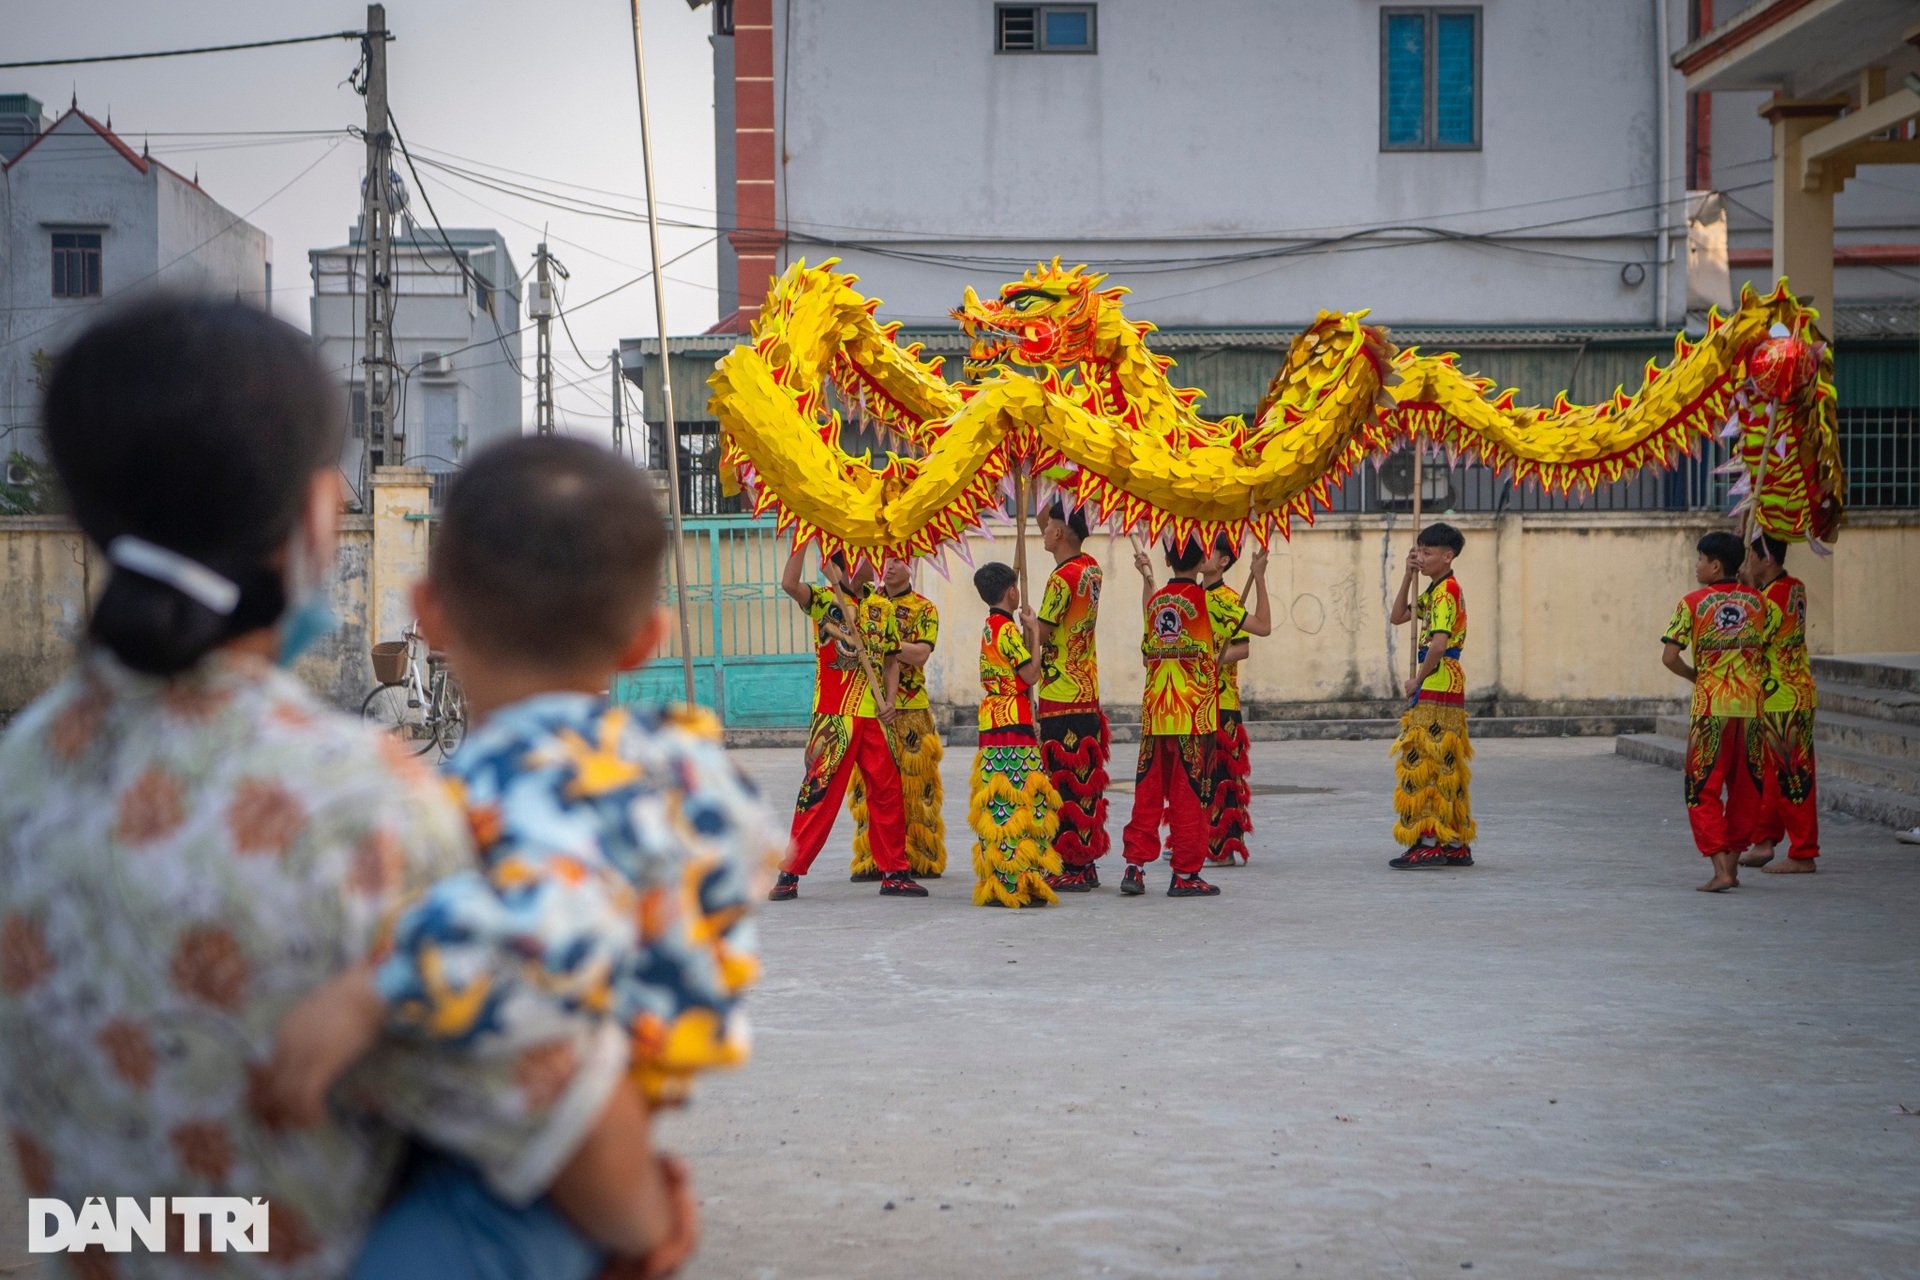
(1455, 79)
(1068, 30)
(1406, 71)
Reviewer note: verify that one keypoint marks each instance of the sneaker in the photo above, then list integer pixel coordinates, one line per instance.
(1909, 836)
(902, 885)
(1073, 881)
(861, 877)
(1092, 873)
(1420, 857)
(1191, 887)
(1134, 882)
(1458, 855)
(786, 888)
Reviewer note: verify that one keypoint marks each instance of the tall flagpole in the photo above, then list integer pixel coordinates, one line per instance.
(666, 373)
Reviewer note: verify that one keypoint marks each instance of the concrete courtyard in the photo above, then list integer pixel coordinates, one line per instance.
(1562, 1062)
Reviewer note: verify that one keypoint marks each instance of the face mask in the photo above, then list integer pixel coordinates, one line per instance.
(309, 618)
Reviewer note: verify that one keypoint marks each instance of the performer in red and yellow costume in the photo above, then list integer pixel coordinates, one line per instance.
(1229, 821)
(1074, 738)
(916, 739)
(1783, 734)
(1431, 758)
(1014, 809)
(847, 732)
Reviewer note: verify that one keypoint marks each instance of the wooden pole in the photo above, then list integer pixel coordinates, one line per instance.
(1419, 484)
(1020, 529)
(850, 613)
(666, 375)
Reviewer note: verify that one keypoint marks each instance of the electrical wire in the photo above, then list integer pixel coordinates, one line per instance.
(181, 53)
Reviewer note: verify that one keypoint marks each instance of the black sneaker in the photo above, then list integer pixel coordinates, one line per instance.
(1458, 855)
(785, 888)
(1420, 858)
(1134, 882)
(1191, 887)
(901, 885)
(1092, 873)
(862, 877)
(1072, 880)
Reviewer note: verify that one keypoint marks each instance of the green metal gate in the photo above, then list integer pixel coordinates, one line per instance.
(752, 646)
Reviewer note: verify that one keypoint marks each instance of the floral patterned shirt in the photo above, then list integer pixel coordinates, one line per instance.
(617, 852)
(180, 862)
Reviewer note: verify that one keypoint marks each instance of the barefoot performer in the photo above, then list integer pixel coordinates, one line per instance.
(1074, 738)
(1727, 626)
(916, 739)
(848, 729)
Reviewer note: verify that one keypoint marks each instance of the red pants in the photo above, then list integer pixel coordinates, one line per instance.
(1722, 789)
(1166, 788)
(1789, 806)
(835, 747)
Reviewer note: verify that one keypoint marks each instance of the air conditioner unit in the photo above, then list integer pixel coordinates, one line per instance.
(1396, 483)
(540, 300)
(434, 362)
(18, 475)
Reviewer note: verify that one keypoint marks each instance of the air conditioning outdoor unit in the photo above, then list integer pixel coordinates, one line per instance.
(18, 475)
(1396, 483)
(434, 362)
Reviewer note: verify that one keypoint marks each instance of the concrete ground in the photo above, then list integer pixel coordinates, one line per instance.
(1562, 1062)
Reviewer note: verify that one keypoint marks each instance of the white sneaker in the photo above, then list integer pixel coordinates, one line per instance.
(1910, 836)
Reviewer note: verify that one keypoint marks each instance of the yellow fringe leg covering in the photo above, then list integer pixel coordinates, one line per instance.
(1432, 773)
(920, 756)
(1014, 812)
(862, 864)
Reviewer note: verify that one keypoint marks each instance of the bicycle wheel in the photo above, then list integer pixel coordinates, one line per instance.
(387, 706)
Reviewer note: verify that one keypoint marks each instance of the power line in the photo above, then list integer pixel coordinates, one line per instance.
(181, 53)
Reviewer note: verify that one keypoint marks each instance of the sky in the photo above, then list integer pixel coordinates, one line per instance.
(490, 86)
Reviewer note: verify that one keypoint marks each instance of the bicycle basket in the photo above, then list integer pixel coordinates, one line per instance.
(390, 661)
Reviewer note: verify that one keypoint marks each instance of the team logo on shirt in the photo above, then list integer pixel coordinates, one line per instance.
(1728, 617)
(1167, 624)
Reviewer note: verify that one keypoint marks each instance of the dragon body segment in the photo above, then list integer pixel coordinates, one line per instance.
(1067, 386)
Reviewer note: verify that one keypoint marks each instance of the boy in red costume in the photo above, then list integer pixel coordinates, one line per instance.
(1229, 821)
(1783, 738)
(1074, 739)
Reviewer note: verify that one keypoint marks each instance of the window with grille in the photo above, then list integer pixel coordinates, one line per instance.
(357, 410)
(76, 264)
(1430, 79)
(1043, 28)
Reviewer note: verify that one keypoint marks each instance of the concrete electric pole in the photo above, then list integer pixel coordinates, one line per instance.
(380, 371)
(540, 308)
(619, 425)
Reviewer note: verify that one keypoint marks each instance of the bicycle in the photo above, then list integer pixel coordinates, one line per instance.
(424, 711)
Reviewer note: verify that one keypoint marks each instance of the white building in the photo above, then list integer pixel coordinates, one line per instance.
(456, 316)
(88, 219)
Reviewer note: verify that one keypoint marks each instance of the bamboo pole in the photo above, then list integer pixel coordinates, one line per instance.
(666, 374)
(1419, 486)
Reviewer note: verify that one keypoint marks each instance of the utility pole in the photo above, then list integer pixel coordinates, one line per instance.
(540, 307)
(619, 427)
(380, 370)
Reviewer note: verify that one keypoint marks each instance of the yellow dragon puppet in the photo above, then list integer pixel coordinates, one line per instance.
(1065, 384)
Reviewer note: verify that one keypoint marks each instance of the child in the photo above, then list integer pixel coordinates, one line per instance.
(1728, 626)
(1179, 720)
(1014, 809)
(1228, 821)
(915, 737)
(850, 725)
(1783, 740)
(1430, 759)
(1074, 738)
(616, 847)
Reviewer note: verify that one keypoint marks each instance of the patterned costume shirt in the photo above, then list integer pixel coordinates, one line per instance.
(617, 852)
(1224, 603)
(181, 861)
(840, 685)
(916, 620)
(1789, 679)
(1728, 627)
(1442, 607)
(1069, 667)
(1003, 651)
(1182, 650)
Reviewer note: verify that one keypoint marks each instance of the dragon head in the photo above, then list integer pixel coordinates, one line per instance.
(1044, 319)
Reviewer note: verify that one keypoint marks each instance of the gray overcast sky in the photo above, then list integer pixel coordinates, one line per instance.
(544, 88)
